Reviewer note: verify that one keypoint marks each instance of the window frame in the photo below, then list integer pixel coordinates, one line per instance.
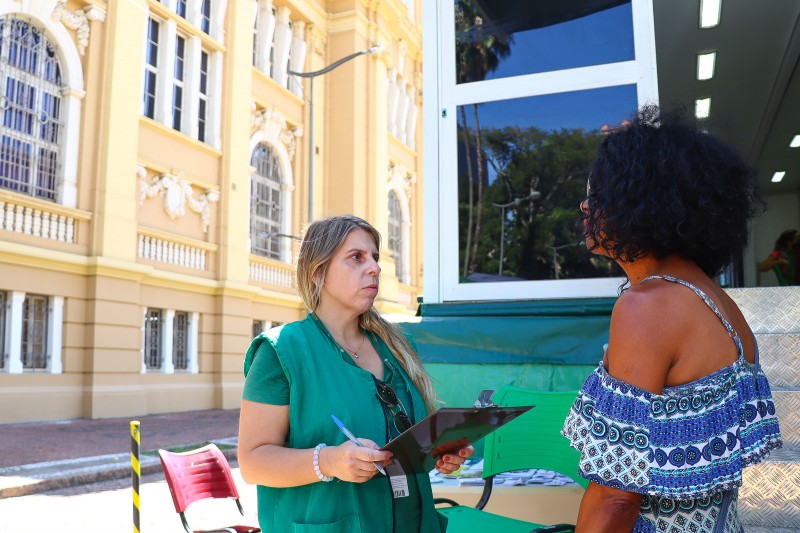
(40, 84)
(179, 95)
(35, 326)
(272, 185)
(180, 341)
(162, 339)
(441, 251)
(151, 50)
(152, 339)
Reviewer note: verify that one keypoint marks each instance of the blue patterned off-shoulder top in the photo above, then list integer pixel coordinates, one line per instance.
(683, 449)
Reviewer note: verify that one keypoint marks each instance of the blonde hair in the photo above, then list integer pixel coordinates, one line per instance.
(321, 241)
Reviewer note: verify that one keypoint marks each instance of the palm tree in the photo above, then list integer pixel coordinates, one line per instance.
(478, 52)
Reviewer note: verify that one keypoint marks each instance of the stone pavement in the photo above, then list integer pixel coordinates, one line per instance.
(40, 456)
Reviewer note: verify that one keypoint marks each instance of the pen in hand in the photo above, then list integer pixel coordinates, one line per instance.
(353, 438)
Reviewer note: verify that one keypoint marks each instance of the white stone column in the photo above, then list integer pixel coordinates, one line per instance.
(265, 33)
(283, 42)
(392, 101)
(14, 332)
(191, 85)
(286, 222)
(402, 112)
(144, 339)
(193, 13)
(405, 249)
(54, 329)
(167, 366)
(298, 56)
(411, 122)
(214, 100)
(191, 344)
(166, 72)
(70, 137)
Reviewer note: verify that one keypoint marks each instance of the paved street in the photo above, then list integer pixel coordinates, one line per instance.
(106, 508)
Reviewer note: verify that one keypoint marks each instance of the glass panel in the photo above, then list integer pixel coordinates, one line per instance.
(150, 94)
(522, 174)
(502, 38)
(205, 11)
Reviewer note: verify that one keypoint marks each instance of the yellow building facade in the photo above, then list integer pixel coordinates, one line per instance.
(154, 177)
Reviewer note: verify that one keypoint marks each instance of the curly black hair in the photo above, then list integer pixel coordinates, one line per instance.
(662, 185)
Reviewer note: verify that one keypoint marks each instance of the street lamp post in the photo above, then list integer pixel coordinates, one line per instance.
(311, 75)
(534, 195)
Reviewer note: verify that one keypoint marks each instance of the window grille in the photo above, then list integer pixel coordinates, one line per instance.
(151, 69)
(32, 126)
(34, 332)
(180, 336)
(396, 232)
(205, 12)
(202, 110)
(258, 328)
(152, 339)
(3, 314)
(177, 93)
(265, 203)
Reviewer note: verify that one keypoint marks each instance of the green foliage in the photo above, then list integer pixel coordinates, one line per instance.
(556, 164)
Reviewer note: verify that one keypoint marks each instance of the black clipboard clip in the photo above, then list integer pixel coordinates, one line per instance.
(485, 399)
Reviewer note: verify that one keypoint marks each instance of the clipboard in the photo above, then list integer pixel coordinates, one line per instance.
(447, 430)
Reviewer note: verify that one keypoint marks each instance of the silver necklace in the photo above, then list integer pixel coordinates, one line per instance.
(355, 353)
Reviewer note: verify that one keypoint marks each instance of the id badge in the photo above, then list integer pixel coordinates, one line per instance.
(398, 480)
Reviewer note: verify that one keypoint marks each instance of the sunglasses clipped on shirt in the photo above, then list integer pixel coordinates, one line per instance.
(387, 397)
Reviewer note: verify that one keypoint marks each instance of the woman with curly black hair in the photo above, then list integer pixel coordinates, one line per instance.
(679, 404)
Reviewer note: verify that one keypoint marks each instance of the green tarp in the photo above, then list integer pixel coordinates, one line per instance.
(570, 332)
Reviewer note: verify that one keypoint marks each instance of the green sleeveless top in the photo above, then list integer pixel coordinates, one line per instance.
(323, 381)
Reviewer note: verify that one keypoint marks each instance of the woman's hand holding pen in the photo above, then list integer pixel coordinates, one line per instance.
(450, 462)
(350, 462)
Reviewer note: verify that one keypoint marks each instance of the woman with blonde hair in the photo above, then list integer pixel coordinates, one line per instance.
(344, 360)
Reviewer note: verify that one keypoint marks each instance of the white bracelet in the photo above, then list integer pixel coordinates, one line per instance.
(320, 475)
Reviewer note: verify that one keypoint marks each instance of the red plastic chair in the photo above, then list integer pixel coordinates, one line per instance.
(197, 475)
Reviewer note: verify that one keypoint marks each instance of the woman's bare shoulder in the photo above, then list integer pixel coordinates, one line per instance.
(644, 335)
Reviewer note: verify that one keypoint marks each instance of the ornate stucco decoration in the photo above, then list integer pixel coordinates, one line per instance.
(78, 21)
(401, 179)
(319, 41)
(270, 121)
(178, 194)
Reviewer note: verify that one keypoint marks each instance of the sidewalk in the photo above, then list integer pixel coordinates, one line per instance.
(45, 455)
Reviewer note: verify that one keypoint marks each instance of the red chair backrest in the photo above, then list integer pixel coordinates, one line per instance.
(197, 475)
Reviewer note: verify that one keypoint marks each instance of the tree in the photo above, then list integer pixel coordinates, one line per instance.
(555, 164)
(479, 51)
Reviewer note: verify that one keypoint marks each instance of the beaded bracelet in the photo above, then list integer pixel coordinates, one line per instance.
(320, 475)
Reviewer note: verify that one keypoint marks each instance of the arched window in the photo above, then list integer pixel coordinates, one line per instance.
(30, 102)
(266, 204)
(396, 233)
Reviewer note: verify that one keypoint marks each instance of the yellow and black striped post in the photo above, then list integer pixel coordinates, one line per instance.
(136, 472)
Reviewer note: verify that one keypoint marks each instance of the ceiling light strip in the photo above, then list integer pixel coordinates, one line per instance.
(710, 11)
(702, 107)
(705, 65)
